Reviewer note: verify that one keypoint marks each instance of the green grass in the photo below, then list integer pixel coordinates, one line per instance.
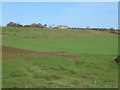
(70, 45)
(57, 71)
(93, 67)
(72, 41)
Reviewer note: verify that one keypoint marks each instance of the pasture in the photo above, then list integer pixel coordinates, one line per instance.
(55, 58)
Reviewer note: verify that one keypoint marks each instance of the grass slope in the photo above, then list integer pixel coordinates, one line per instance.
(71, 45)
(72, 41)
(92, 67)
(50, 71)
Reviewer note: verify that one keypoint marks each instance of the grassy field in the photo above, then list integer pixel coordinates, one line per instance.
(93, 64)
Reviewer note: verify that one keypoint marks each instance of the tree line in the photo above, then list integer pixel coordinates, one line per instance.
(111, 30)
(35, 25)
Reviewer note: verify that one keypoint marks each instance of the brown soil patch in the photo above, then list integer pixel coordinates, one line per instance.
(10, 51)
(17, 51)
(30, 37)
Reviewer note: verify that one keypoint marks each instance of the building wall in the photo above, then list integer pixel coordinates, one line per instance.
(62, 27)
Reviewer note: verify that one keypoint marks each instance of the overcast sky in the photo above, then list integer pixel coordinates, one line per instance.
(73, 14)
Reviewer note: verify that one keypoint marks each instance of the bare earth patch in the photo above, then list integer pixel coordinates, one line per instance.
(10, 51)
